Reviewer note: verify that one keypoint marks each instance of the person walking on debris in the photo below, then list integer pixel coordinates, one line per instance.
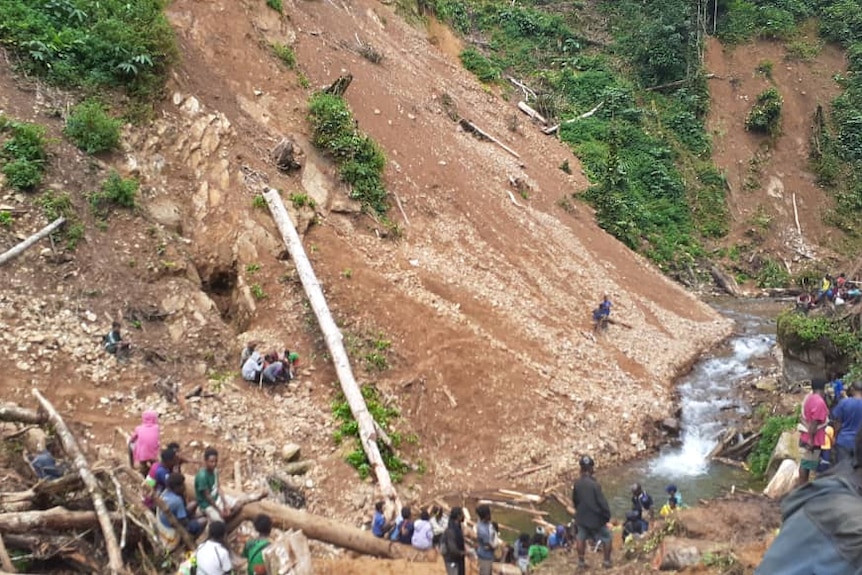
(602, 313)
(452, 544)
(812, 429)
(848, 420)
(821, 529)
(592, 513)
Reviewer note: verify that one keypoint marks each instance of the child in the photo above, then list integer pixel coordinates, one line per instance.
(144, 442)
(379, 526)
(538, 550)
(668, 508)
(673, 493)
(826, 450)
(522, 553)
(253, 550)
(634, 525)
(558, 538)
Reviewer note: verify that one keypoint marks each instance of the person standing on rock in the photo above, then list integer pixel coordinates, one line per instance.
(452, 544)
(484, 540)
(812, 429)
(848, 420)
(821, 529)
(592, 513)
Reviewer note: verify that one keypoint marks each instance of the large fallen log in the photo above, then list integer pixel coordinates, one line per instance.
(70, 446)
(26, 499)
(54, 519)
(335, 342)
(469, 126)
(18, 414)
(327, 530)
(28, 243)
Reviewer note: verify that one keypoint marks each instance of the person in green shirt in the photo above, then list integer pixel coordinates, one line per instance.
(211, 501)
(538, 550)
(253, 550)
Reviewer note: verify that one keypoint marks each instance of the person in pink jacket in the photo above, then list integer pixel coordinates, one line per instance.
(144, 442)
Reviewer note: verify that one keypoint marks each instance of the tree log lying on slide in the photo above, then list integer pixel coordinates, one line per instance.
(335, 342)
(16, 413)
(54, 519)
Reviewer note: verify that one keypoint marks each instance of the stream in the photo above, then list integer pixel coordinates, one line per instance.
(709, 401)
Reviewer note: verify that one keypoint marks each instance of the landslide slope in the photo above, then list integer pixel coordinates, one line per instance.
(484, 296)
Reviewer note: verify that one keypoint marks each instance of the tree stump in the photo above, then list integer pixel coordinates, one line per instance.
(288, 156)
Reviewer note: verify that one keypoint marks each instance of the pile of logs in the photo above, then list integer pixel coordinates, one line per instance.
(734, 446)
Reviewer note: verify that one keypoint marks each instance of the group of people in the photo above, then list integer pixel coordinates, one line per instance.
(643, 511)
(829, 421)
(836, 291)
(208, 509)
(269, 368)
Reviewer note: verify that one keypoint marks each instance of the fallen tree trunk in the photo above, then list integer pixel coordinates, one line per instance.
(54, 519)
(45, 488)
(335, 343)
(524, 107)
(553, 129)
(326, 530)
(18, 414)
(28, 243)
(70, 446)
(469, 126)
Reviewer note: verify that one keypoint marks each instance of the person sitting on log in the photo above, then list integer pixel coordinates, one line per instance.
(522, 553)
(405, 528)
(253, 549)
(114, 343)
(438, 523)
(379, 526)
(423, 536)
(175, 502)
(157, 477)
(211, 500)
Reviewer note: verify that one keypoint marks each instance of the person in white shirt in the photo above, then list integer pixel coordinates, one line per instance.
(212, 556)
(252, 367)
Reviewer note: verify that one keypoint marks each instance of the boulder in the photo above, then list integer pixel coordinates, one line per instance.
(677, 553)
(671, 425)
(786, 448)
(290, 452)
(288, 554)
(783, 481)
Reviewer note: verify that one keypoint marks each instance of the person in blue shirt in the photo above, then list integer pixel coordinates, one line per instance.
(379, 526)
(673, 493)
(559, 538)
(847, 417)
(174, 501)
(603, 311)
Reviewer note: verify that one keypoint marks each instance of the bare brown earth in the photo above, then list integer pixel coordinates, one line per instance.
(765, 173)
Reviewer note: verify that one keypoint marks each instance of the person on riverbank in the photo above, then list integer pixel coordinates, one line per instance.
(642, 504)
(485, 537)
(592, 512)
(821, 531)
(847, 420)
(538, 551)
(253, 549)
(452, 544)
(812, 429)
(212, 502)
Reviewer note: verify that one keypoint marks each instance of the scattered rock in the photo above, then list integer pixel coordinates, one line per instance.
(288, 156)
(290, 452)
(671, 425)
(783, 480)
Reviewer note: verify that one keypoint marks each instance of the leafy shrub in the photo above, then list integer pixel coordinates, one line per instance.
(360, 160)
(479, 65)
(799, 332)
(23, 155)
(116, 191)
(59, 204)
(91, 42)
(772, 274)
(771, 431)
(275, 5)
(285, 53)
(6, 219)
(765, 115)
(91, 128)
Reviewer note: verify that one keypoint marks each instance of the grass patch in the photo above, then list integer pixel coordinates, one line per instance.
(275, 5)
(116, 191)
(91, 128)
(284, 53)
(348, 429)
(771, 431)
(301, 200)
(91, 43)
(765, 115)
(360, 160)
(23, 156)
(59, 204)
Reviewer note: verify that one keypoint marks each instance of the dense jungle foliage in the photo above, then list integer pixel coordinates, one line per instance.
(646, 149)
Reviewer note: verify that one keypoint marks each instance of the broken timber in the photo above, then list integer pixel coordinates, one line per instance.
(12, 412)
(583, 116)
(469, 126)
(335, 343)
(29, 242)
(70, 446)
(524, 107)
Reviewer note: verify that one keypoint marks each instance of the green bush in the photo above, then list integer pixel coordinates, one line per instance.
(91, 128)
(765, 115)
(360, 160)
(284, 53)
(91, 42)
(115, 191)
(59, 204)
(23, 154)
(479, 65)
(275, 5)
(772, 274)
(771, 431)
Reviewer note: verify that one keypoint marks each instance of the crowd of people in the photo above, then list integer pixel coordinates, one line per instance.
(203, 513)
(835, 291)
(270, 368)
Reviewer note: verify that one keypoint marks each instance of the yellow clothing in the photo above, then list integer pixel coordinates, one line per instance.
(830, 438)
(666, 510)
(825, 285)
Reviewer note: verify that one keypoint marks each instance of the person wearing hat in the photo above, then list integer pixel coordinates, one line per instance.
(812, 429)
(592, 513)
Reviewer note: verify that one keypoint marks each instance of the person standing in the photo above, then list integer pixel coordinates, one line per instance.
(145, 441)
(812, 429)
(453, 549)
(253, 550)
(212, 556)
(484, 540)
(592, 513)
(848, 420)
(642, 503)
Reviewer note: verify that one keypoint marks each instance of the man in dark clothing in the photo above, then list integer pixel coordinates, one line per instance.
(592, 513)
(642, 505)
(452, 544)
(822, 526)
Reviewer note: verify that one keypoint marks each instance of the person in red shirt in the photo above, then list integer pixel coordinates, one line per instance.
(812, 429)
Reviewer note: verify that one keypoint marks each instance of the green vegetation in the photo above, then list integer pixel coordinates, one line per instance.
(6, 219)
(772, 274)
(301, 200)
(23, 156)
(376, 358)
(275, 5)
(55, 205)
(116, 191)
(360, 160)
(252, 269)
(772, 429)
(91, 128)
(257, 292)
(285, 53)
(91, 43)
(348, 428)
(646, 152)
(259, 202)
(765, 115)
(798, 331)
